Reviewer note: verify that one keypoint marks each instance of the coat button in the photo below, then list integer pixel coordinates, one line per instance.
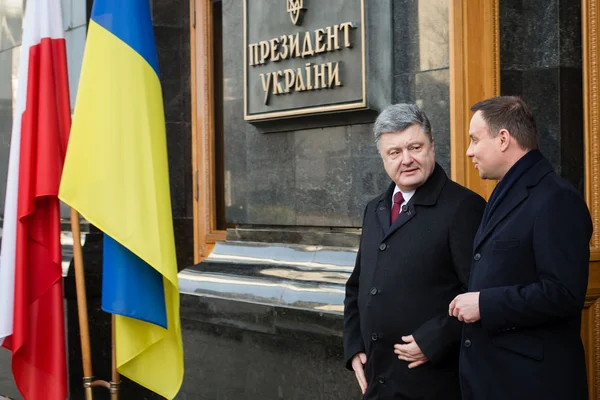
(467, 343)
(374, 291)
(381, 380)
(477, 257)
(374, 337)
(382, 246)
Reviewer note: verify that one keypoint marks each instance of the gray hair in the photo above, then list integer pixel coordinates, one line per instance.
(398, 117)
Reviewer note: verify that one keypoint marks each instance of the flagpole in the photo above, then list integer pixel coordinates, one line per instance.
(115, 378)
(84, 330)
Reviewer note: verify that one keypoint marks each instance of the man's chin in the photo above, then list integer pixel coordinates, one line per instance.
(483, 175)
(411, 185)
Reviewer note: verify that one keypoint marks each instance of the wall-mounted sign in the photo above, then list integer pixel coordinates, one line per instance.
(307, 57)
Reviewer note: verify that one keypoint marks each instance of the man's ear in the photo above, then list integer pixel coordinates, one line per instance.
(505, 139)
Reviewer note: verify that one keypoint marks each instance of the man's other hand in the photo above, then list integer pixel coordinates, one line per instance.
(465, 307)
(410, 351)
(358, 362)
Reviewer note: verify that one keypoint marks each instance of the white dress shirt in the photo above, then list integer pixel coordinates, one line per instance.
(406, 195)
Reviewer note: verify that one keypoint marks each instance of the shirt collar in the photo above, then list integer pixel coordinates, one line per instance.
(405, 195)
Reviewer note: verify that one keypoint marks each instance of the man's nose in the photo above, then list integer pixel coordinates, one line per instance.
(406, 157)
(470, 151)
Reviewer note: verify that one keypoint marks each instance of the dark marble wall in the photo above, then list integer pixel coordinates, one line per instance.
(325, 176)
(421, 65)
(171, 20)
(540, 60)
(237, 350)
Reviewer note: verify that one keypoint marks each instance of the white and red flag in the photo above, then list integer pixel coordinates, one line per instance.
(31, 291)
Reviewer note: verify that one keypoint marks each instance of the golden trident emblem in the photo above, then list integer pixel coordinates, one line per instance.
(296, 10)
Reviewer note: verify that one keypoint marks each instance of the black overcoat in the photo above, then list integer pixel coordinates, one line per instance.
(530, 265)
(403, 281)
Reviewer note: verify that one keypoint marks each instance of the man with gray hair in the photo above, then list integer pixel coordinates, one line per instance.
(414, 258)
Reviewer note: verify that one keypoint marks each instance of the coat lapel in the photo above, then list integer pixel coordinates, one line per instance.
(402, 219)
(383, 215)
(383, 208)
(515, 196)
(426, 195)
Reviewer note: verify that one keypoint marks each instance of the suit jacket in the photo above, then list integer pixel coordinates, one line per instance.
(404, 278)
(530, 265)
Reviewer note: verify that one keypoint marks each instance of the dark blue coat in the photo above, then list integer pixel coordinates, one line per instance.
(405, 277)
(530, 265)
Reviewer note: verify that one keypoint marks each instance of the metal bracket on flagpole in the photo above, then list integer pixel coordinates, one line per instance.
(87, 381)
(114, 389)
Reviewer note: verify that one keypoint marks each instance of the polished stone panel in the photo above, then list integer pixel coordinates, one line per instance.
(307, 277)
(541, 93)
(421, 35)
(75, 42)
(322, 162)
(540, 34)
(173, 53)
(180, 172)
(11, 29)
(511, 82)
(571, 119)
(184, 241)
(421, 48)
(67, 13)
(529, 34)
(433, 96)
(245, 364)
(174, 13)
(432, 20)
(78, 13)
(7, 384)
(8, 80)
(569, 26)
(406, 36)
(272, 307)
(404, 88)
(541, 61)
(340, 237)
(271, 198)
(236, 164)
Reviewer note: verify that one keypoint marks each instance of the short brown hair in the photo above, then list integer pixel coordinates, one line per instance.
(510, 113)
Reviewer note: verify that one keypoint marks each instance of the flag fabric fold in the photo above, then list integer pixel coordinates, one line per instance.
(116, 176)
(31, 293)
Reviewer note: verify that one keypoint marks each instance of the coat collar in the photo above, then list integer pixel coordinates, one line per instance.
(425, 195)
(515, 196)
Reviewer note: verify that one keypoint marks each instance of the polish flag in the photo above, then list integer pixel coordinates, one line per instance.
(31, 291)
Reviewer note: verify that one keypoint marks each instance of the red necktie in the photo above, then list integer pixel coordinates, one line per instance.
(398, 200)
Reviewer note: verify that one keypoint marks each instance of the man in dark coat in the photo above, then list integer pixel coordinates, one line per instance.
(414, 258)
(529, 276)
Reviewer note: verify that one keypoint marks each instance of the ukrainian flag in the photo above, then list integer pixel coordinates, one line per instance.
(116, 176)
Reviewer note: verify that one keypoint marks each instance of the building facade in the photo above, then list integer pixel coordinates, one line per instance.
(269, 108)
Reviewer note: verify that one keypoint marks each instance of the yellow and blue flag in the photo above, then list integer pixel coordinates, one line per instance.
(116, 176)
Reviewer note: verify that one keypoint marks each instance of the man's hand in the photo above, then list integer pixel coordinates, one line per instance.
(358, 362)
(410, 351)
(465, 307)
